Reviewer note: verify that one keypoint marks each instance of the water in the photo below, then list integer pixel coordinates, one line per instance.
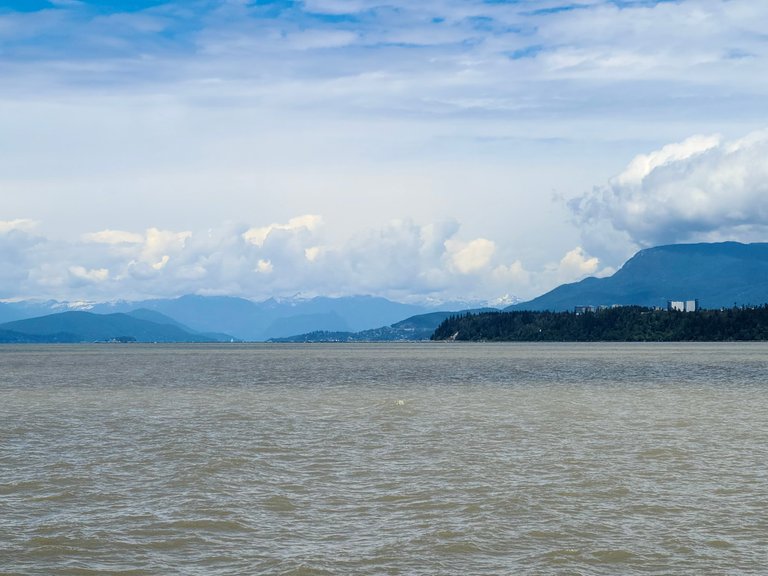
(384, 459)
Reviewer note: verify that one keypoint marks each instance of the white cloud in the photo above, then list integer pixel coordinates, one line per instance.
(471, 256)
(643, 164)
(514, 274)
(264, 267)
(23, 225)
(402, 260)
(159, 265)
(93, 275)
(701, 189)
(312, 253)
(159, 245)
(308, 222)
(576, 264)
(114, 237)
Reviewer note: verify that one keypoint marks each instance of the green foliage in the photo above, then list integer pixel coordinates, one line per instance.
(623, 324)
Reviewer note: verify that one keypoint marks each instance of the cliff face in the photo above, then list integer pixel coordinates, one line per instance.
(718, 274)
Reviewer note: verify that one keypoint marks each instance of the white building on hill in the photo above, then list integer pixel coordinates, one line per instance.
(683, 305)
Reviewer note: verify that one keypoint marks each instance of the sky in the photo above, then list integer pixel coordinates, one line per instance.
(420, 151)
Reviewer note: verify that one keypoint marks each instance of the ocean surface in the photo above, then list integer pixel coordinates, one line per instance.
(433, 459)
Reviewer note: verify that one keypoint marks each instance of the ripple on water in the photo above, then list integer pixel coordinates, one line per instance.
(306, 571)
(547, 460)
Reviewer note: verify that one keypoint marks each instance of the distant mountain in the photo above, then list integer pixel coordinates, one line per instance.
(234, 316)
(88, 327)
(157, 317)
(10, 311)
(718, 275)
(243, 319)
(328, 321)
(415, 328)
(259, 321)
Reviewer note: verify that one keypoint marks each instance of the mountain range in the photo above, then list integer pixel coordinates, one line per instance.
(225, 318)
(717, 275)
(240, 318)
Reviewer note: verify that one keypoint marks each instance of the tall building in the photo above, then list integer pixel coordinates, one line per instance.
(683, 305)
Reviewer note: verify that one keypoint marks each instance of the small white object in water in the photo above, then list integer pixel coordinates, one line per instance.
(400, 402)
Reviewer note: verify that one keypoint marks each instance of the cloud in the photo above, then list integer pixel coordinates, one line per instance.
(312, 253)
(307, 222)
(140, 254)
(576, 264)
(264, 266)
(402, 260)
(18, 252)
(336, 6)
(82, 273)
(114, 237)
(472, 256)
(159, 245)
(701, 189)
(514, 274)
(314, 40)
(483, 50)
(642, 165)
(23, 225)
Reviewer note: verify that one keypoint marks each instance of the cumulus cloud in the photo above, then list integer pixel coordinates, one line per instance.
(401, 260)
(307, 222)
(701, 189)
(472, 256)
(128, 254)
(514, 274)
(576, 264)
(82, 273)
(159, 245)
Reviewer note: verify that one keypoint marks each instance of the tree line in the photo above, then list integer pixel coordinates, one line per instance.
(622, 324)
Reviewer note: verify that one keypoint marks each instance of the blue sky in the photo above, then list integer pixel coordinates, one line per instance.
(428, 150)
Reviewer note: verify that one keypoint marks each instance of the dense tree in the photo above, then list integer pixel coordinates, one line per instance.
(622, 324)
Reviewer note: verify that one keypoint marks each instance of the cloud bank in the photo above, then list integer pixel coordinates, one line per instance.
(403, 260)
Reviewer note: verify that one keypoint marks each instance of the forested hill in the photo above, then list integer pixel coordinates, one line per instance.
(623, 324)
(78, 326)
(718, 275)
(419, 327)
